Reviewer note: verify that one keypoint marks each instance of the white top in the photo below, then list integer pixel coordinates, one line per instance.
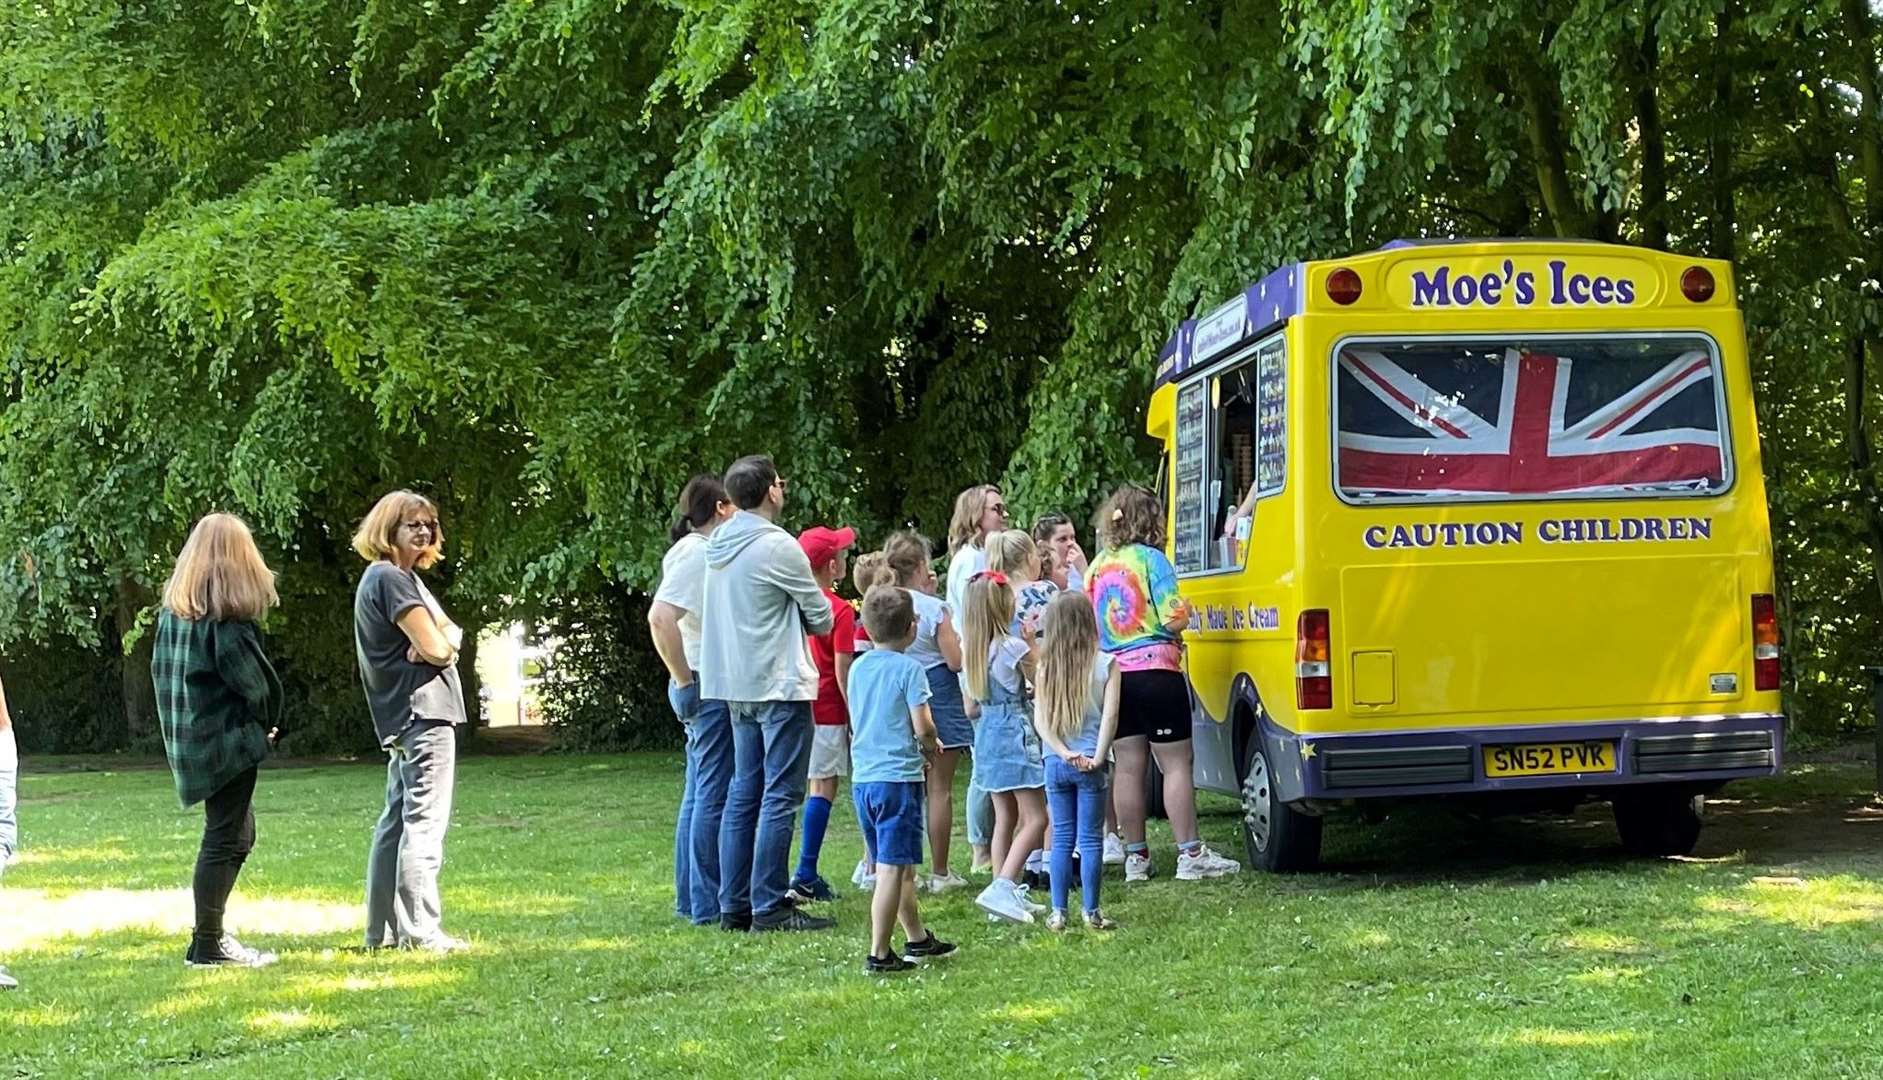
(683, 584)
(967, 562)
(1003, 664)
(928, 616)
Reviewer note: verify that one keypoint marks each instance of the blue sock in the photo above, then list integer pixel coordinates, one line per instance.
(816, 819)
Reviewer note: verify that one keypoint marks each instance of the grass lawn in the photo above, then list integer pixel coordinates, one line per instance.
(1435, 946)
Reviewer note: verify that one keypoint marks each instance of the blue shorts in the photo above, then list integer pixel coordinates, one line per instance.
(892, 815)
(948, 709)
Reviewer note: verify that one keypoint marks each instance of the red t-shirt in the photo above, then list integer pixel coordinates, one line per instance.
(829, 708)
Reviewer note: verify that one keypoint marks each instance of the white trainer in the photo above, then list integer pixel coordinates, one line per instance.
(1114, 849)
(1000, 899)
(1137, 867)
(1204, 864)
(941, 883)
(1026, 900)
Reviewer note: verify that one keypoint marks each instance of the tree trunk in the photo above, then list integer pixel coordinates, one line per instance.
(1653, 141)
(1719, 149)
(139, 694)
(467, 675)
(1546, 147)
(1870, 118)
(1857, 445)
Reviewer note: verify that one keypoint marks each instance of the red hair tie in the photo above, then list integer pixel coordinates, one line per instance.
(994, 576)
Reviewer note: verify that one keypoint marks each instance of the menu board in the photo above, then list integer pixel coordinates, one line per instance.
(1271, 420)
(1192, 418)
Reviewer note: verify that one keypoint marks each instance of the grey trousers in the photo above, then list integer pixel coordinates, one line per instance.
(9, 779)
(402, 906)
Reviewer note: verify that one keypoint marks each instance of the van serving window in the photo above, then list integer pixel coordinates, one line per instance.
(1529, 417)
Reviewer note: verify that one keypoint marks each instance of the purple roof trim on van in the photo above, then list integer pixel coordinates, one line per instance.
(1258, 309)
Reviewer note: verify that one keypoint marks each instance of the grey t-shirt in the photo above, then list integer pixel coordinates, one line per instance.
(398, 690)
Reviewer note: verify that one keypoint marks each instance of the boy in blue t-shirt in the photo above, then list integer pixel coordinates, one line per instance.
(891, 736)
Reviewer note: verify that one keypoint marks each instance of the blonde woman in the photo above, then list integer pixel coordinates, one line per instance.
(219, 705)
(408, 655)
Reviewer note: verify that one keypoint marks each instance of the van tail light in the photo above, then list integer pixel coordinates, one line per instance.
(1764, 642)
(1314, 679)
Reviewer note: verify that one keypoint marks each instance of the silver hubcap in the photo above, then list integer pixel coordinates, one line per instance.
(1257, 804)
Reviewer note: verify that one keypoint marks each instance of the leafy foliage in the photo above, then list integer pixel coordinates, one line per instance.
(543, 260)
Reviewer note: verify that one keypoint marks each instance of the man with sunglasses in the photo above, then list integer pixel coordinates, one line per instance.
(761, 602)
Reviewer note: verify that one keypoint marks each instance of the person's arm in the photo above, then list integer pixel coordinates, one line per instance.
(923, 720)
(6, 719)
(1052, 742)
(663, 621)
(245, 668)
(1028, 662)
(429, 644)
(1172, 609)
(948, 642)
(844, 660)
(791, 571)
(843, 648)
(1243, 509)
(1108, 722)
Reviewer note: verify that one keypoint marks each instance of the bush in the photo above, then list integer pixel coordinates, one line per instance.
(605, 688)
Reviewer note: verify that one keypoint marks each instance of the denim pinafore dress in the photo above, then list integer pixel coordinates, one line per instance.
(1007, 754)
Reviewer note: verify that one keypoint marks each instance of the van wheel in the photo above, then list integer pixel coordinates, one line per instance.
(1659, 821)
(1275, 836)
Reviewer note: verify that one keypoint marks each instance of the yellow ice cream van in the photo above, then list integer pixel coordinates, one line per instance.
(1472, 519)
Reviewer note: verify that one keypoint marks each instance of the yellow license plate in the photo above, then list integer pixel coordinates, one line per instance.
(1549, 759)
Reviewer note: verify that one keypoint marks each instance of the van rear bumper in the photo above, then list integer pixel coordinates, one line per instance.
(1380, 764)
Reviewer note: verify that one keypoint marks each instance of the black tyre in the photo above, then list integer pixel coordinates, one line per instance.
(1275, 836)
(1659, 821)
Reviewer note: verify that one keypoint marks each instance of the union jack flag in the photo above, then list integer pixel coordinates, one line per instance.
(1424, 418)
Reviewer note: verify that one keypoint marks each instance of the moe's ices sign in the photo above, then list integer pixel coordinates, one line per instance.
(1606, 282)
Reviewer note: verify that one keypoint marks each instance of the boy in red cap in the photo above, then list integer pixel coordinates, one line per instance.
(830, 740)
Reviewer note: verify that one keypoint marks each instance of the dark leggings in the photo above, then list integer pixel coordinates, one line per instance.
(228, 836)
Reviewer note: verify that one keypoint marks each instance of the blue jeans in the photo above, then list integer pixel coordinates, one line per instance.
(771, 747)
(980, 814)
(1075, 803)
(702, 803)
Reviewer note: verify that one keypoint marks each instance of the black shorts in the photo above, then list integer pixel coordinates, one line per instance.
(1154, 703)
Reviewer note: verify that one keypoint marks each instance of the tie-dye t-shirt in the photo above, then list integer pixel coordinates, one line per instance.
(1134, 592)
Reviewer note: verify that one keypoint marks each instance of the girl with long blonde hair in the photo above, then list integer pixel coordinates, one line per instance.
(219, 707)
(1076, 712)
(938, 649)
(1007, 765)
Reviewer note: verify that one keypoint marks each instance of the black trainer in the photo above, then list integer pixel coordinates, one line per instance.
(929, 948)
(814, 891)
(886, 965)
(225, 952)
(789, 919)
(738, 924)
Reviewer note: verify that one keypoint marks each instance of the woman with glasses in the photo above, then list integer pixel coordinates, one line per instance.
(408, 655)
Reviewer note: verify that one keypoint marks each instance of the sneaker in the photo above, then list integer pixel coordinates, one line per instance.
(1137, 867)
(814, 891)
(442, 945)
(1114, 849)
(1204, 863)
(1096, 919)
(226, 952)
(737, 924)
(7, 981)
(941, 883)
(1025, 893)
(1056, 921)
(1001, 900)
(863, 877)
(929, 948)
(789, 919)
(886, 965)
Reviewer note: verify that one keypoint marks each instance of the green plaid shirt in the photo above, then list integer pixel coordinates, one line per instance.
(217, 696)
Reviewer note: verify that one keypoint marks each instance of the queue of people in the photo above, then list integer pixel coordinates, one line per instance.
(1044, 672)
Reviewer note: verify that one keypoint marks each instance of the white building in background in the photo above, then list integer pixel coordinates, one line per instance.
(510, 667)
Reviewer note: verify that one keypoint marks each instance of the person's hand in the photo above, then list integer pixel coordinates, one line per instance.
(412, 656)
(1075, 557)
(1235, 519)
(930, 744)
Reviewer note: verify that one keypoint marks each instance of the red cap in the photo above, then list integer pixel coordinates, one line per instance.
(822, 545)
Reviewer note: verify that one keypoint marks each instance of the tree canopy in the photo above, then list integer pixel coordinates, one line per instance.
(544, 259)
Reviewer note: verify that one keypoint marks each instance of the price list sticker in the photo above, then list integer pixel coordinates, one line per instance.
(1271, 397)
(1192, 416)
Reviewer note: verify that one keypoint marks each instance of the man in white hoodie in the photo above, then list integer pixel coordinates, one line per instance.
(761, 601)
